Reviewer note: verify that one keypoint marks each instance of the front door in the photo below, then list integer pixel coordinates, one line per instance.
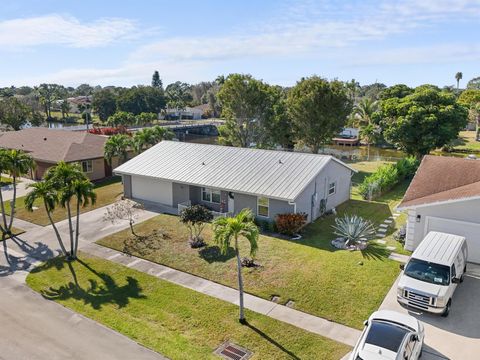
(231, 202)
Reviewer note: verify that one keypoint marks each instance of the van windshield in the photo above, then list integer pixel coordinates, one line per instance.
(428, 272)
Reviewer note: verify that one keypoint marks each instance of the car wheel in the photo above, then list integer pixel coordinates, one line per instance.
(463, 275)
(421, 353)
(447, 308)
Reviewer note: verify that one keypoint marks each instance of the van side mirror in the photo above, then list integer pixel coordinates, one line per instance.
(415, 338)
(455, 280)
(402, 266)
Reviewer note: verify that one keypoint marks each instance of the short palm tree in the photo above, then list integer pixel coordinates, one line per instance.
(63, 176)
(117, 146)
(19, 163)
(46, 192)
(353, 228)
(144, 139)
(161, 133)
(369, 134)
(228, 229)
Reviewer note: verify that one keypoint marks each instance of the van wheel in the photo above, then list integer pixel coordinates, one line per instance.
(421, 352)
(447, 308)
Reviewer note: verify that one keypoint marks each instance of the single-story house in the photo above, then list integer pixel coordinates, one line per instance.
(444, 196)
(227, 179)
(49, 146)
(188, 113)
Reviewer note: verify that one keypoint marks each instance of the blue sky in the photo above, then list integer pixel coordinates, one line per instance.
(123, 42)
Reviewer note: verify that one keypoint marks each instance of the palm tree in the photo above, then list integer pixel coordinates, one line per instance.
(225, 230)
(144, 139)
(354, 229)
(117, 146)
(18, 163)
(62, 176)
(458, 77)
(369, 135)
(46, 191)
(83, 191)
(364, 111)
(161, 133)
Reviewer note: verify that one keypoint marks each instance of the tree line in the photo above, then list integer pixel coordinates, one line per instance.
(309, 114)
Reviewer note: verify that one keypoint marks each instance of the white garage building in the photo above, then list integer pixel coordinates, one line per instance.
(444, 196)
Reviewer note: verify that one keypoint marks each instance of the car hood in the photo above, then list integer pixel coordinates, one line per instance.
(408, 283)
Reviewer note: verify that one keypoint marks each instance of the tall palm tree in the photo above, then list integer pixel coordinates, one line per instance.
(364, 111)
(46, 191)
(117, 146)
(62, 176)
(84, 194)
(458, 77)
(369, 134)
(18, 163)
(228, 229)
(3, 169)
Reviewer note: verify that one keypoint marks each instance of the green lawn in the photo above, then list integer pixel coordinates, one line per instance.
(343, 286)
(107, 192)
(466, 143)
(177, 322)
(15, 232)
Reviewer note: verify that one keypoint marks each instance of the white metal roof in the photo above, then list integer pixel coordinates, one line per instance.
(274, 174)
(438, 247)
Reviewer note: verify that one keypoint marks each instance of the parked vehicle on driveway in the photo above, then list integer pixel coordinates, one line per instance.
(431, 276)
(389, 335)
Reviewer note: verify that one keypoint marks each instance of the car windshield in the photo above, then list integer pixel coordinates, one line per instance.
(386, 335)
(428, 272)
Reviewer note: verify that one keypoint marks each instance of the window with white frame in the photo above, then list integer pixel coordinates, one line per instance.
(87, 166)
(263, 206)
(332, 188)
(210, 195)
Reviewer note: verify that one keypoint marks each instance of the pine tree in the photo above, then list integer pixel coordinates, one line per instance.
(156, 81)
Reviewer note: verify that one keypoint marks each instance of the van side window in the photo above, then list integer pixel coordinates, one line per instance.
(454, 273)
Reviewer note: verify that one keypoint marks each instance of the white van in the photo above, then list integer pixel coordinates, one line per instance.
(431, 275)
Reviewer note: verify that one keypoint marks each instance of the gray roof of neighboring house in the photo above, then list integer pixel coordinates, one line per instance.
(274, 174)
(52, 146)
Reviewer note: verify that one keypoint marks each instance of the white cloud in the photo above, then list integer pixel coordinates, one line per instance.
(63, 30)
(313, 27)
(455, 53)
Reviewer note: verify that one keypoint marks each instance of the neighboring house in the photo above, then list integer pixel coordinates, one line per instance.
(189, 113)
(227, 179)
(444, 196)
(48, 147)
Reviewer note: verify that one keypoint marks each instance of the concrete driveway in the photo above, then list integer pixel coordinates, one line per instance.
(458, 335)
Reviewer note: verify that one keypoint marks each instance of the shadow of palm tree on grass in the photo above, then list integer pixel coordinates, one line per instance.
(213, 254)
(102, 289)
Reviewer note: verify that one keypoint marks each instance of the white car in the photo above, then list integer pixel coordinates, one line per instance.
(389, 335)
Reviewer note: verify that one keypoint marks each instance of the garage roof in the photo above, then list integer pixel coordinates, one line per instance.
(274, 174)
(441, 179)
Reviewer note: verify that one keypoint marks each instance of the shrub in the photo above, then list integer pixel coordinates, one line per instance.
(195, 217)
(265, 225)
(387, 176)
(110, 130)
(354, 229)
(290, 224)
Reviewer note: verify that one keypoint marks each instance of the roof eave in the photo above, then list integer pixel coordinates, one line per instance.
(442, 202)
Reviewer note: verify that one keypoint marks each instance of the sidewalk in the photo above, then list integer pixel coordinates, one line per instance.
(294, 317)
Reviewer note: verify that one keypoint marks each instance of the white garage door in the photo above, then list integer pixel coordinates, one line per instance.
(155, 190)
(471, 231)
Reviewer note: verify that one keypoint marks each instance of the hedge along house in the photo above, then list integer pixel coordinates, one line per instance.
(48, 146)
(227, 179)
